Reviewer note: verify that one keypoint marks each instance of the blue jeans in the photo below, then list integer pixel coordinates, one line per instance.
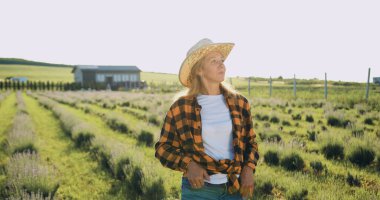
(208, 191)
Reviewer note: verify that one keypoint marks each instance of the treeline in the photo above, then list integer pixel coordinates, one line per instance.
(38, 85)
(17, 61)
(61, 86)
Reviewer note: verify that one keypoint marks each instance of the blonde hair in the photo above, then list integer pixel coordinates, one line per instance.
(196, 84)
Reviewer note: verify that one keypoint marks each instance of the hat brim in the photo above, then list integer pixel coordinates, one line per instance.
(190, 60)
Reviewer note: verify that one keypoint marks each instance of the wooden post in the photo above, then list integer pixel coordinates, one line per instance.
(294, 87)
(270, 86)
(367, 89)
(325, 85)
(249, 86)
(231, 80)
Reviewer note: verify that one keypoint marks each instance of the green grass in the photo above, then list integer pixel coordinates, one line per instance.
(37, 73)
(8, 111)
(80, 176)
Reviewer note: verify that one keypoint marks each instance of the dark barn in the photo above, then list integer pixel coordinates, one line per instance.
(107, 77)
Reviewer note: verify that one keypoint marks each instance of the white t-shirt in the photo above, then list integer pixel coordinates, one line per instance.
(216, 131)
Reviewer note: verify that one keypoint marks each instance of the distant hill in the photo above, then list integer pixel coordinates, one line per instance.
(18, 61)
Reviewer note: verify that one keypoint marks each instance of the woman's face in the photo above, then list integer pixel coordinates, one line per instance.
(213, 69)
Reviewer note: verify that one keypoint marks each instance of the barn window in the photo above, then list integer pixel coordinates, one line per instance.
(125, 77)
(100, 77)
(133, 77)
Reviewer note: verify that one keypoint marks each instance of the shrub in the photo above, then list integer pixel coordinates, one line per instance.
(117, 123)
(258, 116)
(333, 151)
(82, 135)
(83, 140)
(271, 157)
(309, 118)
(262, 117)
(353, 181)
(301, 195)
(312, 135)
(275, 137)
(21, 135)
(377, 133)
(317, 166)
(125, 104)
(153, 119)
(297, 117)
(362, 156)
(137, 180)
(262, 136)
(267, 188)
(368, 121)
(25, 195)
(274, 119)
(146, 138)
(292, 162)
(265, 118)
(25, 171)
(378, 164)
(334, 121)
(256, 125)
(286, 123)
(108, 105)
(25, 147)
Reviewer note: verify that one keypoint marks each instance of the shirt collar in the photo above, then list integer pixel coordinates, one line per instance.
(227, 95)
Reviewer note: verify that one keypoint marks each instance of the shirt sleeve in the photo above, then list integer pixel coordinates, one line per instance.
(168, 149)
(251, 152)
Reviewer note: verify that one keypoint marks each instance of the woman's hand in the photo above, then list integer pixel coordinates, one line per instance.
(196, 174)
(246, 185)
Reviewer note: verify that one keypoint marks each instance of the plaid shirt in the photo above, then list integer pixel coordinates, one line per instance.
(181, 139)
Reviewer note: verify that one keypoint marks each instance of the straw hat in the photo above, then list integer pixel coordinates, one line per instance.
(196, 52)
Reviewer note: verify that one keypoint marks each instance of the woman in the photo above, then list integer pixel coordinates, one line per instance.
(207, 134)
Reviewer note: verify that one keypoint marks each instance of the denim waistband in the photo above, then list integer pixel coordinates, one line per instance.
(211, 184)
(215, 185)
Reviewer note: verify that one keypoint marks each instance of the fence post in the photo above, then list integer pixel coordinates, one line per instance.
(367, 88)
(270, 86)
(325, 85)
(249, 86)
(294, 86)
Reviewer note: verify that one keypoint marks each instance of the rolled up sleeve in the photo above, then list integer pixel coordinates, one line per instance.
(168, 149)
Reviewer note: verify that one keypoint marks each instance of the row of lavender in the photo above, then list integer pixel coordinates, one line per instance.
(127, 163)
(27, 176)
(144, 133)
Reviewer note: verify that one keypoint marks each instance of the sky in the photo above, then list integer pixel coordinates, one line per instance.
(272, 38)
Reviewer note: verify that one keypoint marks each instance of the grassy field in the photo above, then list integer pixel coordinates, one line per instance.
(37, 73)
(101, 143)
(286, 129)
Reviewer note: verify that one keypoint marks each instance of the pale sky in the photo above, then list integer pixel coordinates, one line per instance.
(272, 38)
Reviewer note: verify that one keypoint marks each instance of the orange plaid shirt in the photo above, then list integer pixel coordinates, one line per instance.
(181, 139)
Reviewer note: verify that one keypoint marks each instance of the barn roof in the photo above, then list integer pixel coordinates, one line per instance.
(105, 68)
